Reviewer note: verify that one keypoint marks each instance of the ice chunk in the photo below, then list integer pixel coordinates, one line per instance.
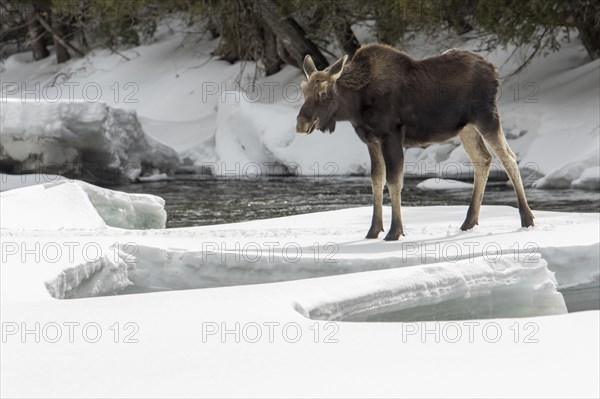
(467, 289)
(53, 207)
(127, 211)
(589, 179)
(154, 177)
(566, 175)
(80, 139)
(78, 205)
(443, 184)
(100, 276)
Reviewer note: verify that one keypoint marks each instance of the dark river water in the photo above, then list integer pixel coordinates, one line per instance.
(194, 200)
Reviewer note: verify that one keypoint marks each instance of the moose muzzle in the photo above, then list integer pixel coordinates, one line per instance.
(303, 125)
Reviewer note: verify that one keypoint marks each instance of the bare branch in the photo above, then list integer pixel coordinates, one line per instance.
(58, 37)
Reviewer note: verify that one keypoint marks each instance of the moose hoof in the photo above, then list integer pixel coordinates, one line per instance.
(393, 236)
(374, 232)
(527, 219)
(468, 225)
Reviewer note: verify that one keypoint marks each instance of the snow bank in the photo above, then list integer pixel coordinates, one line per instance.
(202, 343)
(127, 211)
(536, 119)
(443, 184)
(580, 173)
(100, 276)
(49, 207)
(536, 125)
(261, 138)
(331, 243)
(479, 287)
(589, 179)
(80, 139)
(553, 102)
(79, 205)
(563, 125)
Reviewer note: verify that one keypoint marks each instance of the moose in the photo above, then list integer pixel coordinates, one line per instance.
(394, 102)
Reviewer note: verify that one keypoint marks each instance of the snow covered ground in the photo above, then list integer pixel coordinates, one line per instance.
(280, 297)
(215, 115)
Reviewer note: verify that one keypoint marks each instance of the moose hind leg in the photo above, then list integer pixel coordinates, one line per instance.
(495, 139)
(482, 160)
(377, 182)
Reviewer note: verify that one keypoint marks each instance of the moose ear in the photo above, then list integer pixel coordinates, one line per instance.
(338, 67)
(309, 66)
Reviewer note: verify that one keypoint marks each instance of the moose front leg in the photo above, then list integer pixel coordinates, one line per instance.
(377, 182)
(393, 155)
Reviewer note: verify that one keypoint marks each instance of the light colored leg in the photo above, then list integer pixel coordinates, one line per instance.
(497, 142)
(482, 160)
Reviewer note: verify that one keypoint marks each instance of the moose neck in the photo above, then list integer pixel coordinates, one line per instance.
(348, 104)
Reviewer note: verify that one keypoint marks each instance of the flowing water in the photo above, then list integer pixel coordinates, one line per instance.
(195, 200)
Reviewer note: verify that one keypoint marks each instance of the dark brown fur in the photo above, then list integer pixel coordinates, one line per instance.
(394, 101)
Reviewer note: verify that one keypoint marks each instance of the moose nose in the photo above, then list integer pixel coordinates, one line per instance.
(302, 125)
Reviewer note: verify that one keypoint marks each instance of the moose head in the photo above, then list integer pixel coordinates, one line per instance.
(321, 98)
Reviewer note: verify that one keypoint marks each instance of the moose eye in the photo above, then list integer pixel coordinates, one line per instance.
(322, 95)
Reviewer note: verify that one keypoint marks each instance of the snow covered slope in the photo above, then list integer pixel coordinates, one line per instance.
(249, 341)
(80, 139)
(549, 112)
